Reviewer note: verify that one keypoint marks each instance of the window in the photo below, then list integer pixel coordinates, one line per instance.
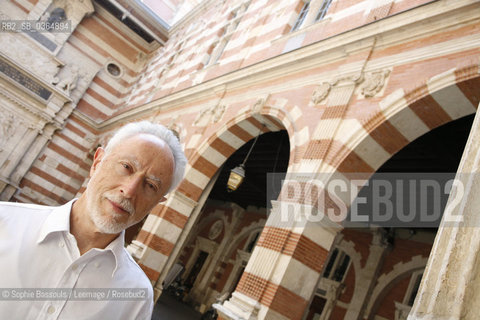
(301, 17)
(337, 266)
(114, 70)
(215, 51)
(197, 267)
(323, 10)
(220, 48)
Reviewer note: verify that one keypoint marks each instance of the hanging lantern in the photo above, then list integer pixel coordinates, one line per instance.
(237, 174)
(236, 177)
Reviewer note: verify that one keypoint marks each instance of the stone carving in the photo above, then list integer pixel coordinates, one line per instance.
(215, 230)
(374, 82)
(7, 125)
(85, 73)
(68, 81)
(57, 15)
(176, 128)
(352, 79)
(260, 103)
(58, 11)
(72, 11)
(218, 112)
(201, 118)
(173, 122)
(210, 115)
(37, 61)
(371, 84)
(321, 93)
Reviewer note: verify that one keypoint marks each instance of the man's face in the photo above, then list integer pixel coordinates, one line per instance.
(128, 182)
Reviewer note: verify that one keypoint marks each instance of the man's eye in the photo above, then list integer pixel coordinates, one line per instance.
(151, 186)
(126, 166)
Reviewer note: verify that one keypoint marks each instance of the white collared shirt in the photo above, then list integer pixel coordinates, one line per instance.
(39, 259)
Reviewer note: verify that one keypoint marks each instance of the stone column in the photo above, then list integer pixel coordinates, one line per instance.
(450, 288)
(34, 140)
(160, 234)
(290, 245)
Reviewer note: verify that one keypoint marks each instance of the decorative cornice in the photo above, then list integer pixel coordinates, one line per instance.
(25, 106)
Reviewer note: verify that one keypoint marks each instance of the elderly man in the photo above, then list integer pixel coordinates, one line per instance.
(48, 251)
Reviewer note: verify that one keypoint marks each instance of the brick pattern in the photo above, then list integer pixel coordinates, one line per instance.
(389, 136)
(224, 143)
(321, 137)
(58, 174)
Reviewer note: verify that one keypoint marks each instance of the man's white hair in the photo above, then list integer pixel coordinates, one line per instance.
(159, 131)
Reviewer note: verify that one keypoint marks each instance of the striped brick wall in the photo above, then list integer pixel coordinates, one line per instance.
(348, 97)
(341, 139)
(262, 33)
(60, 170)
(174, 214)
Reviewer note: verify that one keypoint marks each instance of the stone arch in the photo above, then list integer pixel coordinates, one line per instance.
(244, 234)
(405, 116)
(211, 155)
(166, 228)
(386, 281)
(349, 248)
(253, 227)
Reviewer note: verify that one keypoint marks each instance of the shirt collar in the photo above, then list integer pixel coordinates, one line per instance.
(59, 221)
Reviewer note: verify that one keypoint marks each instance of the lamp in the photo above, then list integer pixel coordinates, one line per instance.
(237, 174)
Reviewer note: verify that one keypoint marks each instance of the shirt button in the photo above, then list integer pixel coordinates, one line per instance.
(51, 309)
(74, 267)
(96, 264)
(61, 244)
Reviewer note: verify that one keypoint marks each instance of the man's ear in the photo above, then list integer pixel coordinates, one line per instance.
(97, 158)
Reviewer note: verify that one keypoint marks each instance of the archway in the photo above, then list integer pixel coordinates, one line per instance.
(221, 241)
(404, 118)
(168, 226)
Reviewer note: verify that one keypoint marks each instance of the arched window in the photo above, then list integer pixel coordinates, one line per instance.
(337, 266)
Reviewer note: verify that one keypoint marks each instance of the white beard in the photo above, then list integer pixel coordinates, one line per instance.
(106, 223)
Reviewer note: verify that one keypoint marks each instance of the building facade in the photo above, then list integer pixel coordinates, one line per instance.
(350, 82)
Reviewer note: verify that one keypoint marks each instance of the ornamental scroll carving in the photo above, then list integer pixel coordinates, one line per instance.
(215, 230)
(371, 83)
(69, 79)
(177, 128)
(321, 93)
(260, 103)
(374, 82)
(210, 116)
(8, 126)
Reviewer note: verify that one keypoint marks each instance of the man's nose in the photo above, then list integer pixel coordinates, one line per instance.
(130, 186)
